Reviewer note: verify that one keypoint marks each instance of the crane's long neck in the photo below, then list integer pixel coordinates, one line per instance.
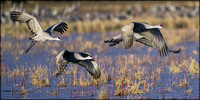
(51, 38)
(151, 27)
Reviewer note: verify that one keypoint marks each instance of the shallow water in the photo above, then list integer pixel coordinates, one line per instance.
(43, 56)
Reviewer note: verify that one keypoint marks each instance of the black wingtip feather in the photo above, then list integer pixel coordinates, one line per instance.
(176, 51)
(106, 41)
(162, 52)
(64, 28)
(112, 44)
(159, 52)
(14, 15)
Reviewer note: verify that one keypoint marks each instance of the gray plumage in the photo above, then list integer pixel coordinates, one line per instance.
(144, 33)
(81, 58)
(36, 29)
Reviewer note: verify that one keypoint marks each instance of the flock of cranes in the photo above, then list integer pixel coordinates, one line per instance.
(136, 31)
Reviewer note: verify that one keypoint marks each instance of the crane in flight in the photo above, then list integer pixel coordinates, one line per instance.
(84, 59)
(144, 33)
(36, 29)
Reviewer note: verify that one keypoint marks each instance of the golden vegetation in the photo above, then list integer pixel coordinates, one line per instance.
(183, 83)
(191, 65)
(128, 73)
(194, 67)
(188, 91)
(172, 37)
(169, 89)
(39, 76)
(23, 91)
(173, 68)
(62, 83)
(21, 31)
(103, 94)
(128, 80)
(91, 6)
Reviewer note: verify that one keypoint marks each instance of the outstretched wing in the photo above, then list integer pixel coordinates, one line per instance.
(154, 38)
(60, 63)
(115, 40)
(31, 21)
(82, 56)
(127, 35)
(92, 67)
(145, 41)
(59, 27)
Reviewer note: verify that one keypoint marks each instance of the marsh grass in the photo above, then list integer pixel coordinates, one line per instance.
(103, 94)
(135, 89)
(194, 67)
(188, 65)
(118, 91)
(172, 37)
(91, 6)
(169, 89)
(23, 91)
(127, 80)
(62, 83)
(96, 26)
(75, 83)
(128, 73)
(189, 90)
(39, 76)
(3, 69)
(183, 83)
(174, 69)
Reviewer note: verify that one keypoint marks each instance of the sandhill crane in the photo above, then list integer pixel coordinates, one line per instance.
(35, 28)
(144, 33)
(84, 59)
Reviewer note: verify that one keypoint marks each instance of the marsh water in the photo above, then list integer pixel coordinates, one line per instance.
(42, 54)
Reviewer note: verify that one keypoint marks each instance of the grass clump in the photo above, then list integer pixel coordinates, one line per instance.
(188, 91)
(194, 67)
(174, 69)
(118, 91)
(103, 94)
(62, 83)
(39, 76)
(169, 89)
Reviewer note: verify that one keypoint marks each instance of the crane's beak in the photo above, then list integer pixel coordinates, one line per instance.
(60, 40)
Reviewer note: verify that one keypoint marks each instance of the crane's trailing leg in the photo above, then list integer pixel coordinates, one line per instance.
(32, 43)
(61, 69)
